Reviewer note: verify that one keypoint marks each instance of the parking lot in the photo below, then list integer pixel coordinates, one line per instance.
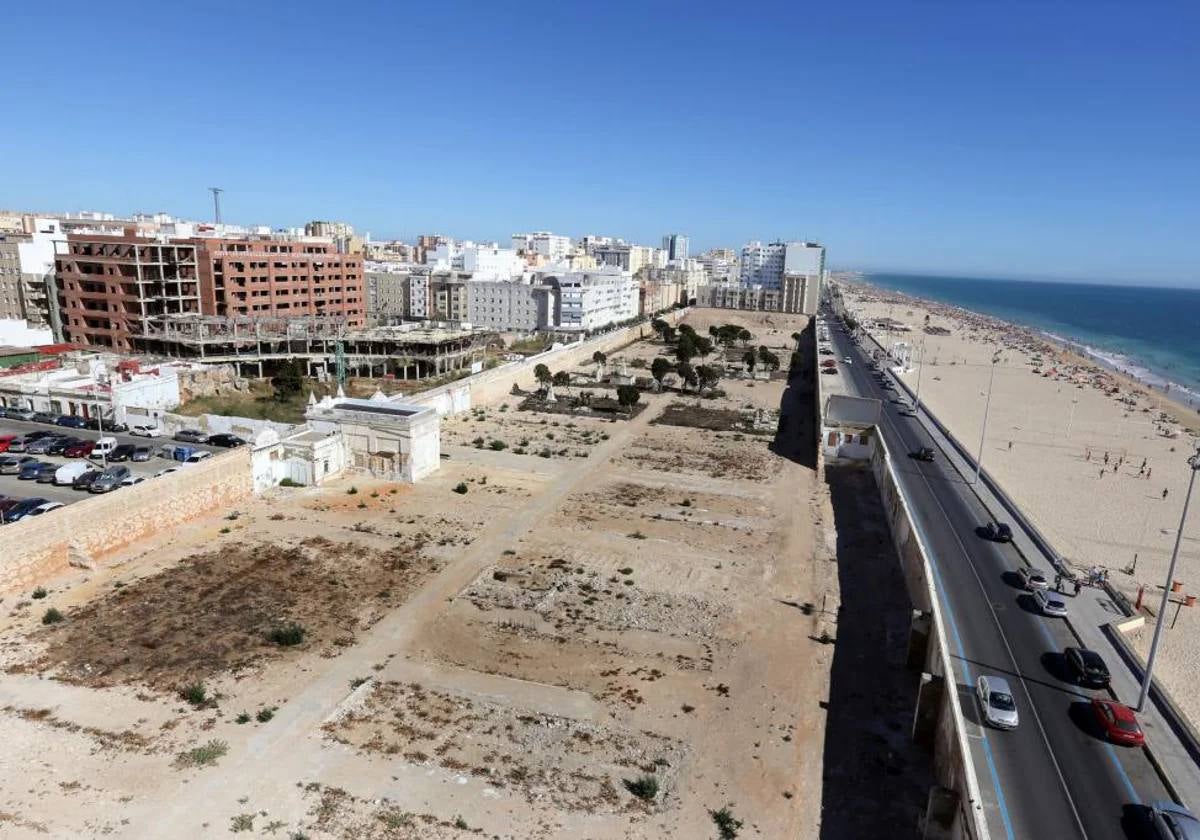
(13, 487)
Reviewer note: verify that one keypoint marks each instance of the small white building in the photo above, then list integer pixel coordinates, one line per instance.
(381, 437)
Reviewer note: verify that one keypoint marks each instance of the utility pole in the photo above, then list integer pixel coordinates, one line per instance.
(986, 408)
(216, 191)
(1194, 463)
(920, 370)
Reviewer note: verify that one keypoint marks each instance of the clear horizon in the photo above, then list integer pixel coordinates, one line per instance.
(1039, 142)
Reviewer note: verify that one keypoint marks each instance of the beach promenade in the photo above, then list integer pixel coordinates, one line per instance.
(1095, 460)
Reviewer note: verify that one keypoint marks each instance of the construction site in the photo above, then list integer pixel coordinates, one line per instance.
(254, 344)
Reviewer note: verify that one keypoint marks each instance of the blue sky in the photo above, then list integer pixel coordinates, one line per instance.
(1032, 140)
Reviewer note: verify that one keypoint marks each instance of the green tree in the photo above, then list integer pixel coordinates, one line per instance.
(708, 376)
(287, 381)
(744, 336)
(686, 349)
(687, 329)
(628, 396)
(687, 373)
(600, 359)
(750, 358)
(796, 338)
(659, 326)
(561, 379)
(542, 374)
(659, 368)
(769, 360)
(669, 334)
(704, 346)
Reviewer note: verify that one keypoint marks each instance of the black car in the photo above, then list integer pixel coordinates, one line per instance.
(227, 441)
(1087, 667)
(84, 481)
(105, 425)
(45, 417)
(22, 508)
(922, 454)
(71, 421)
(60, 444)
(122, 453)
(997, 532)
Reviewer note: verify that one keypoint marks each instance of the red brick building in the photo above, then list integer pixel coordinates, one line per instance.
(110, 286)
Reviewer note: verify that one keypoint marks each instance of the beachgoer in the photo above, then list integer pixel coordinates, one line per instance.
(1077, 586)
(1087, 455)
(1105, 457)
(1102, 472)
(1164, 493)
(1148, 470)
(1010, 446)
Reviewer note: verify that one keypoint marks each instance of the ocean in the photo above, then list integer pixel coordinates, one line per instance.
(1150, 333)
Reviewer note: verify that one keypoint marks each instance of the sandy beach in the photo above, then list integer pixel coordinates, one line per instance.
(1095, 458)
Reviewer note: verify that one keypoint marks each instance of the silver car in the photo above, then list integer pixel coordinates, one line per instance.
(109, 480)
(996, 702)
(1050, 603)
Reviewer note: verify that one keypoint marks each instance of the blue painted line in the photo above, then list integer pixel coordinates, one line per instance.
(987, 747)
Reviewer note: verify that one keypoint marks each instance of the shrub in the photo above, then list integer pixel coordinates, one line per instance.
(643, 787)
(39, 593)
(226, 530)
(196, 694)
(241, 822)
(461, 487)
(477, 443)
(288, 635)
(727, 824)
(626, 571)
(264, 715)
(497, 445)
(287, 482)
(459, 822)
(352, 491)
(203, 755)
(244, 717)
(545, 453)
(637, 535)
(52, 616)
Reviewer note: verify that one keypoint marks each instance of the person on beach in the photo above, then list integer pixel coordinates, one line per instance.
(1078, 586)
(1148, 470)
(1087, 454)
(1102, 472)
(1106, 459)
(1164, 494)
(1010, 446)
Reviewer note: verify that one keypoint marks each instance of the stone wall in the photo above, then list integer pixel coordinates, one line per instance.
(36, 549)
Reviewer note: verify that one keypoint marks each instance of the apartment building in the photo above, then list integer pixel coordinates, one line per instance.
(657, 295)
(10, 280)
(590, 300)
(111, 288)
(765, 265)
(516, 306)
(676, 246)
(448, 296)
(389, 292)
(542, 243)
(630, 258)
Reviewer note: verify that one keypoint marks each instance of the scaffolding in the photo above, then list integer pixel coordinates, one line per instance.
(322, 342)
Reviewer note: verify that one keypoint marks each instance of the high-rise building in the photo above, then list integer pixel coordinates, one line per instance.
(676, 246)
(765, 265)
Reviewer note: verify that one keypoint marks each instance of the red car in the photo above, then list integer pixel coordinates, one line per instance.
(5, 440)
(1119, 722)
(80, 450)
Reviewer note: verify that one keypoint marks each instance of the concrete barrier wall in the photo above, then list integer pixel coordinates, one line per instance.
(495, 384)
(953, 765)
(38, 548)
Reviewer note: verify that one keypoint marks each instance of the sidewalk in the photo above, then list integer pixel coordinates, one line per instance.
(1089, 612)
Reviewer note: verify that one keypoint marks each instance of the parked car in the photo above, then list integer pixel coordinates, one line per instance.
(191, 436)
(197, 457)
(173, 452)
(39, 446)
(60, 445)
(38, 434)
(996, 702)
(141, 453)
(29, 470)
(79, 449)
(847, 360)
(11, 464)
(67, 473)
(1087, 667)
(1050, 603)
(71, 421)
(23, 508)
(6, 441)
(145, 431)
(46, 508)
(45, 473)
(907, 411)
(26, 414)
(104, 447)
(121, 453)
(84, 481)
(1032, 579)
(997, 532)
(18, 444)
(132, 479)
(1118, 722)
(1171, 821)
(226, 440)
(923, 453)
(106, 425)
(110, 479)
(165, 471)
(45, 417)
(830, 371)
(7, 504)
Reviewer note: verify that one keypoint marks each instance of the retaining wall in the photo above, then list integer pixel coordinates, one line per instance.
(36, 549)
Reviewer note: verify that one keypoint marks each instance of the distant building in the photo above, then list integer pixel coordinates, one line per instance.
(630, 258)
(720, 264)
(765, 265)
(484, 262)
(739, 296)
(512, 306)
(448, 296)
(676, 246)
(388, 289)
(543, 243)
(590, 300)
(333, 230)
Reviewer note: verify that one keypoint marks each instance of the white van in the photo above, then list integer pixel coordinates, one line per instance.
(104, 447)
(67, 473)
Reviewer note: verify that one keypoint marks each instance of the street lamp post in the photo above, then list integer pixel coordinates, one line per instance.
(1194, 463)
(1071, 419)
(920, 370)
(986, 408)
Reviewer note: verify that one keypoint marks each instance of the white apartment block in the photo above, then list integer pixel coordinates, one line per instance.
(631, 258)
(549, 245)
(484, 262)
(765, 265)
(590, 300)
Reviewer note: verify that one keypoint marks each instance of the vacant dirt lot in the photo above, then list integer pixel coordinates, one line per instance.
(612, 640)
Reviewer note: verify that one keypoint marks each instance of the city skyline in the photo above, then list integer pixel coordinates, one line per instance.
(975, 142)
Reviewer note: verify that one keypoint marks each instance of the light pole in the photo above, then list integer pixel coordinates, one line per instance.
(986, 408)
(1071, 419)
(1194, 463)
(920, 370)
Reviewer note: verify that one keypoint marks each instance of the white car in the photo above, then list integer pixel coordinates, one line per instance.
(166, 470)
(1050, 603)
(1032, 579)
(996, 702)
(46, 508)
(132, 479)
(197, 457)
(145, 431)
(847, 360)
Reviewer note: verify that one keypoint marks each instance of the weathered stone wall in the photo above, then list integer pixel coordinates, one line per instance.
(35, 549)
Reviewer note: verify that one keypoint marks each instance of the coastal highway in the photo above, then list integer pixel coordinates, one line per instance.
(1053, 776)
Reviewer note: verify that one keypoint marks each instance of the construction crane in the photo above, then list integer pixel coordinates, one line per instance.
(216, 191)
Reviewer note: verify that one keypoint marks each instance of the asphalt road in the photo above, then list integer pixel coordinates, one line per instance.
(1053, 776)
(13, 487)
